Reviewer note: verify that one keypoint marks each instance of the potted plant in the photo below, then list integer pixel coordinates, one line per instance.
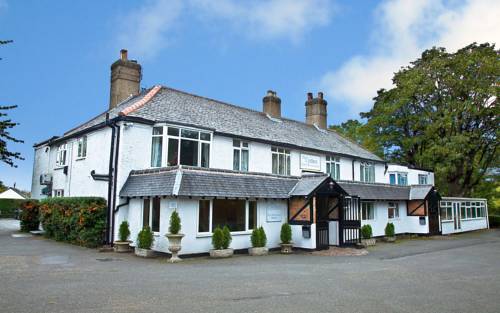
(286, 238)
(389, 233)
(221, 239)
(144, 242)
(123, 245)
(366, 236)
(174, 237)
(259, 240)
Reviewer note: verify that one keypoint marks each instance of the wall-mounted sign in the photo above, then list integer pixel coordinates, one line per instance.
(310, 162)
(273, 215)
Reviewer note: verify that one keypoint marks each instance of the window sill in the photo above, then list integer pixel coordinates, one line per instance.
(80, 158)
(237, 233)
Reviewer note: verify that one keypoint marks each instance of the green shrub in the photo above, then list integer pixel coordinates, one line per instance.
(258, 238)
(78, 220)
(8, 207)
(494, 221)
(366, 231)
(124, 231)
(145, 238)
(218, 238)
(175, 223)
(389, 230)
(30, 219)
(227, 237)
(286, 233)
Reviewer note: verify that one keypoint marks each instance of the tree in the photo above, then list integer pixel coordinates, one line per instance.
(443, 114)
(358, 132)
(7, 156)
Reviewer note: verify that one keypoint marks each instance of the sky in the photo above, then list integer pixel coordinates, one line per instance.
(57, 69)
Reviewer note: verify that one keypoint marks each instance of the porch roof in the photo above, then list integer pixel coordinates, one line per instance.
(374, 191)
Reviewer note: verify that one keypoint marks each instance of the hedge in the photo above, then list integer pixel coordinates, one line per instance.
(29, 216)
(494, 221)
(78, 220)
(8, 207)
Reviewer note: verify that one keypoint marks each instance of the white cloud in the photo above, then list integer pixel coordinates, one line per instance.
(404, 28)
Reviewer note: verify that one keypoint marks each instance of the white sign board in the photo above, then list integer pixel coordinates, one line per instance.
(273, 215)
(310, 162)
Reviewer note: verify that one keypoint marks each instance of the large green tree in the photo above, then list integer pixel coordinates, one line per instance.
(359, 133)
(443, 113)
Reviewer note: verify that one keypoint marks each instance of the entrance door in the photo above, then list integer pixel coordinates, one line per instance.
(322, 225)
(456, 215)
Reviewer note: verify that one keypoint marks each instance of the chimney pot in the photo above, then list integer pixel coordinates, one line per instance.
(125, 79)
(320, 95)
(123, 54)
(309, 96)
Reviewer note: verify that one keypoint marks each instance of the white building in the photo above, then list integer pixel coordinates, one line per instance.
(162, 149)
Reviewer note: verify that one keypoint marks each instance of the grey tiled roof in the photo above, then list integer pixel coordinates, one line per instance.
(307, 184)
(418, 192)
(149, 183)
(375, 191)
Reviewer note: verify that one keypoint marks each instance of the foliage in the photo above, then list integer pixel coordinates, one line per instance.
(145, 238)
(175, 223)
(389, 230)
(29, 217)
(78, 220)
(124, 231)
(258, 238)
(366, 231)
(443, 114)
(227, 237)
(489, 188)
(360, 134)
(2, 186)
(8, 207)
(286, 233)
(218, 238)
(494, 221)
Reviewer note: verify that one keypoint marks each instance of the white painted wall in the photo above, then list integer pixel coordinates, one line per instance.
(40, 166)
(299, 241)
(447, 227)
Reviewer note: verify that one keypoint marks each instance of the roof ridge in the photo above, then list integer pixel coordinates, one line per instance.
(137, 105)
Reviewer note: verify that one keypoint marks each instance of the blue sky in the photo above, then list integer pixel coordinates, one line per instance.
(57, 69)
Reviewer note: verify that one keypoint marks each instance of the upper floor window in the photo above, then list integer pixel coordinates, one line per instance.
(333, 167)
(398, 179)
(61, 155)
(280, 161)
(180, 146)
(82, 147)
(367, 211)
(240, 155)
(422, 179)
(367, 172)
(393, 210)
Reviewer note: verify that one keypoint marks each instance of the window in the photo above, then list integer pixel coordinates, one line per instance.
(61, 155)
(82, 147)
(280, 161)
(398, 178)
(472, 209)
(367, 211)
(422, 179)
(367, 172)
(238, 215)
(333, 167)
(151, 214)
(446, 211)
(58, 193)
(181, 146)
(240, 155)
(393, 210)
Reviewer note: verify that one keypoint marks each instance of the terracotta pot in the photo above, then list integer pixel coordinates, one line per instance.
(174, 246)
(368, 242)
(286, 248)
(145, 253)
(223, 253)
(122, 246)
(257, 251)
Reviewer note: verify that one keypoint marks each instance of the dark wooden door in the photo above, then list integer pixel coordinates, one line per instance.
(322, 235)
(434, 218)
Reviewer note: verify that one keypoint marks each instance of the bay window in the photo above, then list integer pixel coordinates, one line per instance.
(333, 167)
(280, 161)
(367, 172)
(240, 155)
(151, 214)
(237, 215)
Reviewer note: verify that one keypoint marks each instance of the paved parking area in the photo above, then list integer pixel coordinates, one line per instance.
(453, 274)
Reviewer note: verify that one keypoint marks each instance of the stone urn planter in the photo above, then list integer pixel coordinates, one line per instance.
(286, 248)
(174, 246)
(258, 251)
(368, 242)
(144, 253)
(390, 239)
(122, 246)
(222, 253)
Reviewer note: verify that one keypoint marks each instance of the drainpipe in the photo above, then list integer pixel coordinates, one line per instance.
(112, 125)
(115, 178)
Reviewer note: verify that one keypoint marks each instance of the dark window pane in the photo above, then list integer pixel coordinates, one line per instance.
(236, 159)
(186, 133)
(287, 165)
(205, 136)
(189, 152)
(281, 164)
(205, 154)
(244, 160)
(158, 130)
(275, 163)
(252, 214)
(204, 216)
(155, 218)
(236, 143)
(173, 146)
(145, 213)
(156, 151)
(172, 131)
(230, 213)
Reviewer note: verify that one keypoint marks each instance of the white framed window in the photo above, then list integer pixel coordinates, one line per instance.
(58, 193)
(367, 211)
(173, 146)
(446, 211)
(422, 179)
(240, 155)
(238, 215)
(81, 144)
(333, 167)
(61, 156)
(472, 209)
(151, 214)
(280, 161)
(367, 172)
(398, 178)
(393, 210)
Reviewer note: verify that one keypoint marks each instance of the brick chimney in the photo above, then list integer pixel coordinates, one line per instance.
(125, 79)
(316, 110)
(271, 104)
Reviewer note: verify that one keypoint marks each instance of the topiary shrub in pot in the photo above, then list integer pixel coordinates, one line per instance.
(174, 237)
(390, 233)
(259, 240)
(366, 236)
(221, 239)
(286, 238)
(123, 245)
(145, 240)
